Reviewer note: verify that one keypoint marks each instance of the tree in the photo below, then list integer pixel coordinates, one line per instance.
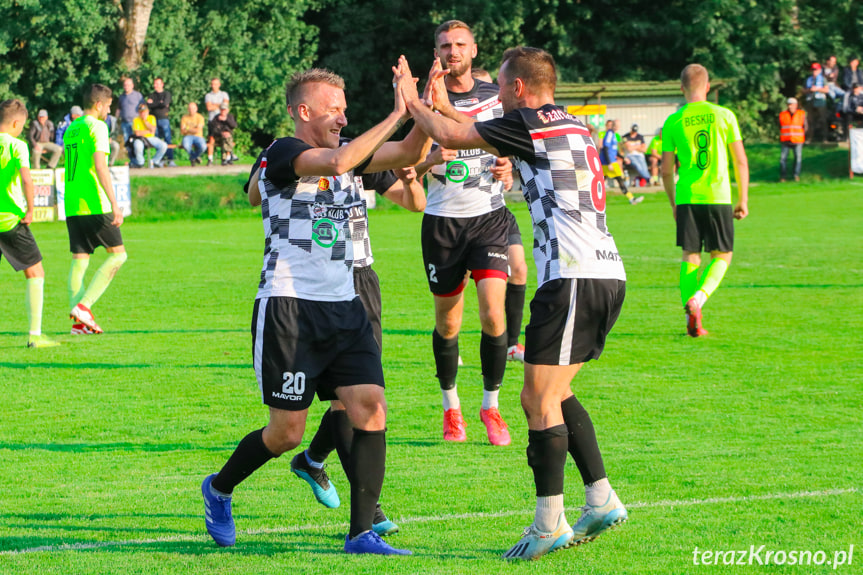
(132, 29)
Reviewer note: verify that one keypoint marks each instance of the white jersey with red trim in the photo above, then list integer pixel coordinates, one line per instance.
(465, 188)
(563, 184)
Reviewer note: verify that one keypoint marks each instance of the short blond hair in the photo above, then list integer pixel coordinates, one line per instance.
(450, 25)
(694, 77)
(294, 90)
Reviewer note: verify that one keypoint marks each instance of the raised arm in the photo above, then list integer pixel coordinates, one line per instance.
(408, 191)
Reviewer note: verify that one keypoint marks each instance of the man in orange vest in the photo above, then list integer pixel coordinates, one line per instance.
(793, 125)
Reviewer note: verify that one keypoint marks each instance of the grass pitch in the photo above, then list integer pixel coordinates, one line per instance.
(751, 436)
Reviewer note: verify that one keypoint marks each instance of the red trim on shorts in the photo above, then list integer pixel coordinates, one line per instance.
(484, 274)
(455, 292)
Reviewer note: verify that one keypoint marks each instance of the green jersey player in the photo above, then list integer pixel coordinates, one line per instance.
(17, 244)
(701, 134)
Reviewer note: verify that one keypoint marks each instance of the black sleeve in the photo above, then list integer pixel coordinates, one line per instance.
(254, 169)
(280, 160)
(509, 134)
(380, 181)
(232, 122)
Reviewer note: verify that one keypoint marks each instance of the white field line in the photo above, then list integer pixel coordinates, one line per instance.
(429, 519)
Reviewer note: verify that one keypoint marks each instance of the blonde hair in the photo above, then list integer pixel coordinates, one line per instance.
(694, 77)
(294, 90)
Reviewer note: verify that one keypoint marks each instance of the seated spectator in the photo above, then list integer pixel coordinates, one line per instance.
(221, 129)
(633, 153)
(115, 146)
(192, 129)
(144, 133)
(75, 113)
(654, 156)
(853, 107)
(831, 76)
(852, 75)
(42, 140)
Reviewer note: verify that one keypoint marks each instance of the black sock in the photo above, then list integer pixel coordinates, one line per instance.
(492, 358)
(622, 183)
(368, 464)
(546, 455)
(445, 359)
(514, 306)
(250, 454)
(322, 443)
(582, 441)
(342, 434)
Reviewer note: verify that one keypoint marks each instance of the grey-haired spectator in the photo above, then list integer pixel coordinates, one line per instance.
(160, 104)
(215, 98)
(41, 138)
(221, 129)
(127, 107)
(75, 113)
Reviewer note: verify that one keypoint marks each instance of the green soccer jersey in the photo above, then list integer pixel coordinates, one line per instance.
(14, 155)
(655, 147)
(84, 194)
(700, 133)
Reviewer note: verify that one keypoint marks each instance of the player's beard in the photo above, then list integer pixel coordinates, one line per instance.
(458, 69)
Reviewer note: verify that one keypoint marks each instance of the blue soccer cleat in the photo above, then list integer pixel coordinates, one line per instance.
(595, 520)
(371, 543)
(325, 492)
(217, 515)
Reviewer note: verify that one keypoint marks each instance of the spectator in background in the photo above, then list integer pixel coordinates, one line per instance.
(633, 149)
(654, 156)
(215, 98)
(792, 135)
(75, 113)
(852, 75)
(111, 121)
(854, 105)
(221, 129)
(816, 97)
(159, 102)
(127, 107)
(609, 157)
(144, 130)
(192, 129)
(41, 138)
(831, 76)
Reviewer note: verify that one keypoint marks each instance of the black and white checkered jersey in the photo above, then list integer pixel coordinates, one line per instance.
(310, 225)
(563, 185)
(465, 188)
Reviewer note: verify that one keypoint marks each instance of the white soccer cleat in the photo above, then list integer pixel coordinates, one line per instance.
(85, 316)
(515, 353)
(535, 543)
(595, 520)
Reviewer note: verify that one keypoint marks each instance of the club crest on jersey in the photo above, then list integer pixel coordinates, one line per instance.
(323, 184)
(325, 233)
(457, 171)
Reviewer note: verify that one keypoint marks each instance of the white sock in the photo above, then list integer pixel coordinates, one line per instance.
(548, 510)
(450, 399)
(700, 297)
(489, 398)
(597, 492)
(312, 462)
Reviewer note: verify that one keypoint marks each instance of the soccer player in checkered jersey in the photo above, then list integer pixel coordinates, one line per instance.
(702, 134)
(17, 243)
(466, 228)
(310, 333)
(580, 276)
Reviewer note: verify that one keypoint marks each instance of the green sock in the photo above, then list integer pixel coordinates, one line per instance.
(76, 280)
(688, 281)
(35, 289)
(102, 279)
(713, 276)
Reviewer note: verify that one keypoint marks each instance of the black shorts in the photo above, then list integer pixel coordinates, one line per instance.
(513, 234)
(709, 224)
(300, 347)
(86, 233)
(570, 319)
(451, 246)
(368, 287)
(19, 247)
